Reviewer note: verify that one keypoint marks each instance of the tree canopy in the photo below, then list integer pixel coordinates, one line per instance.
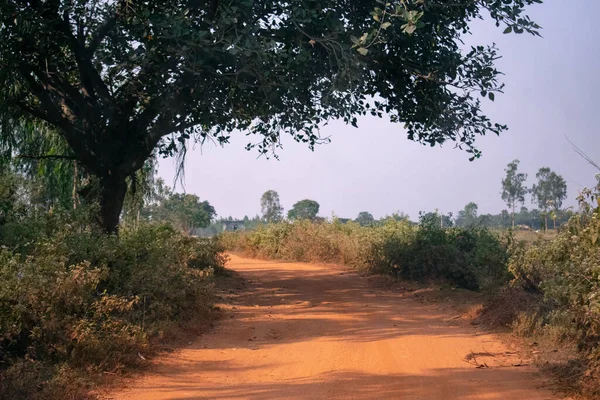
(121, 79)
(467, 216)
(365, 218)
(513, 188)
(271, 208)
(185, 211)
(549, 192)
(304, 209)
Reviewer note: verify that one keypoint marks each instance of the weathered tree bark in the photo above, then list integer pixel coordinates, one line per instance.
(111, 195)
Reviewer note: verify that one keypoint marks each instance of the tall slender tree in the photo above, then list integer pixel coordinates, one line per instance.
(513, 188)
(271, 208)
(549, 193)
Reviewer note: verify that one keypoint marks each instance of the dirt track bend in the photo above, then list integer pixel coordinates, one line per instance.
(304, 331)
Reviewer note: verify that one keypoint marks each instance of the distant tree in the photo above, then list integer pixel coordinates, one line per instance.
(435, 219)
(185, 211)
(549, 192)
(270, 206)
(505, 218)
(467, 216)
(304, 209)
(513, 188)
(535, 218)
(365, 218)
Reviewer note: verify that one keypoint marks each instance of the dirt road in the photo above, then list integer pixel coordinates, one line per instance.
(302, 331)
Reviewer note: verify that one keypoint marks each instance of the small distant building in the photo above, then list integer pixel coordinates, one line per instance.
(234, 226)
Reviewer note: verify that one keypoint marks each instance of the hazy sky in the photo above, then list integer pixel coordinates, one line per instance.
(552, 89)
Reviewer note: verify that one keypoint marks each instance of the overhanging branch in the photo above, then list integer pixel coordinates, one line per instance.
(47, 157)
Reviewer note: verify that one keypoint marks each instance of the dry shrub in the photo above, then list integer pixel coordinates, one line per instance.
(87, 302)
(507, 306)
(468, 258)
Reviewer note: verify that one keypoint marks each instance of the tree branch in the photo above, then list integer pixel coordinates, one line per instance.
(90, 78)
(47, 157)
(103, 30)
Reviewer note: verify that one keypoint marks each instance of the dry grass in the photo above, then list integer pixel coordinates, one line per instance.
(530, 237)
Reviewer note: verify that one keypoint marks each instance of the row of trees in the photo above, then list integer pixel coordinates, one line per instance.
(524, 217)
(272, 211)
(548, 192)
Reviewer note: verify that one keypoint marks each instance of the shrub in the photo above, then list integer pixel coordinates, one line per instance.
(566, 271)
(468, 258)
(78, 300)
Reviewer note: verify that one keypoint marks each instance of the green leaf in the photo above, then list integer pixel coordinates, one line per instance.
(386, 25)
(409, 28)
(491, 96)
(508, 29)
(363, 51)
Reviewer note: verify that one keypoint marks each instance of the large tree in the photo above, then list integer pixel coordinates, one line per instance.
(185, 211)
(271, 208)
(365, 218)
(549, 192)
(513, 188)
(304, 209)
(468, 215)
(117, 79)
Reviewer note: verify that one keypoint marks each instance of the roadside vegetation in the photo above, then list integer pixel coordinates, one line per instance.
(466, 257)
(545, 286)
(77, 304)
(98, 260)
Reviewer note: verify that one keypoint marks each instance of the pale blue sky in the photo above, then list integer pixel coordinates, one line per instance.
(552, 89)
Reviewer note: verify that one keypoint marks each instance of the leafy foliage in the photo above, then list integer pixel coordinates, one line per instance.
(118, 79)
(549, 192)
(364, 218)
(72, 300)
(566, 271)
(185, 211)
(468, 216)
(469, 258)
(304, 209)
(270, 206)
(513, 187)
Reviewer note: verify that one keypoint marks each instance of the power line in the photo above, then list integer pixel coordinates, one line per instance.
(582, 154)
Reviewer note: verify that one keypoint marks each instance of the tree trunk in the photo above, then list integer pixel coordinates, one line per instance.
(545, 222)
(74, 194)
(111, 197)
(512, 217)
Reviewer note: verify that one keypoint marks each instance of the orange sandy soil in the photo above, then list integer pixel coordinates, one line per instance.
(305, 331)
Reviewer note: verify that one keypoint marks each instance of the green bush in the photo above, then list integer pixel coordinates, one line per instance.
(469, 258)
(566, 270)
(83, 301)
